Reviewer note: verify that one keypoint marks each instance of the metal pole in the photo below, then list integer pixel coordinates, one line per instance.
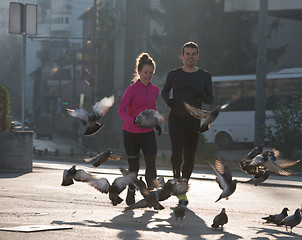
(23, 78)
(260, 102)
(23, 17)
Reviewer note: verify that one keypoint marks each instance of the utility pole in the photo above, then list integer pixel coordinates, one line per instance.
(23, 20)
(260, 102)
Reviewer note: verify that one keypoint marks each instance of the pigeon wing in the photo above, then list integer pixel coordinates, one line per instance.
(139, 204)
(196, 112)
(284, 163)
(224, 170)
(221, 181)
(160, 118)
(122, 182)
(100, 184)
(274, 168)
(99, 158)
(116, 156)
(82, 176)
(103, 106)
(80, 114)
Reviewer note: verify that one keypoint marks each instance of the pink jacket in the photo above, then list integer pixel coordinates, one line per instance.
(136, 99)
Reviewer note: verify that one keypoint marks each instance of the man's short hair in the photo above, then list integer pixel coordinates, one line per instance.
(190, 45)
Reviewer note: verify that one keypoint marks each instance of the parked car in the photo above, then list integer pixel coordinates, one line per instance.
(17, 126)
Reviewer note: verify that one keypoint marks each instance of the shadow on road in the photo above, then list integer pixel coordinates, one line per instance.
(191, 227)
(276, 234)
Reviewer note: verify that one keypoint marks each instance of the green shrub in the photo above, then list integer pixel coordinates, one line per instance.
(285, 131)
(5, 119)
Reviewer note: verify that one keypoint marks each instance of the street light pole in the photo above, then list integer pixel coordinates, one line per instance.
(23, 17)
(23, 77)
(260, 102)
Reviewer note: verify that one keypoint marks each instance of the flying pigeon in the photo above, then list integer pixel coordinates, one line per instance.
(172, 188)
(276, 218)
(90, 120)
(150, 118)
(292, 221)
(118, 185)
(220, 219)
(179, 211)
(101, 184)
(261, 160)
(150, 200)
(224, 179)
(260, 177)
(103, 157)
(245, 163)
(208, 116)
(163, 191)
(267, 161)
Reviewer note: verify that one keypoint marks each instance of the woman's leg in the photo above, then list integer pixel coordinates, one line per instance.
(132, 148)
(149, 148)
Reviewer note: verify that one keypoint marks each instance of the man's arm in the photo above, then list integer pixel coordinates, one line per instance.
(165, 92)
(208, 97)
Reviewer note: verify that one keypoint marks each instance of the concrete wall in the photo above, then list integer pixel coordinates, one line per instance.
(16, 151)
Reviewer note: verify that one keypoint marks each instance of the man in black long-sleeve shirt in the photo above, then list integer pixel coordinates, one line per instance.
(194, 86)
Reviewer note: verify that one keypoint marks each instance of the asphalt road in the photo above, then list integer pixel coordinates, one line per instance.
(38, 198)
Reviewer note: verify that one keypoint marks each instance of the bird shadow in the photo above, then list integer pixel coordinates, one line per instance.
(274, 233)
(130, 226)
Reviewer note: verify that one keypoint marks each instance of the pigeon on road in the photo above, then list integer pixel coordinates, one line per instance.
(292, 221)
(224, 179)
(276, 218)
(179, 211)
(220, 219)
(90, 120)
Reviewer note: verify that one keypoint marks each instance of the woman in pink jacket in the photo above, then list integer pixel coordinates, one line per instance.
(139, 96)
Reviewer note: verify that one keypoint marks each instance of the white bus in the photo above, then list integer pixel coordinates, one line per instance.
(236, 124)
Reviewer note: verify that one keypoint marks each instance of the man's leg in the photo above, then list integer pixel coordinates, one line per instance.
(190, 144)
(176, 131)
(191, 138)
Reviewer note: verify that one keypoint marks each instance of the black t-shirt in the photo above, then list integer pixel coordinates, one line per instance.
(191, 87)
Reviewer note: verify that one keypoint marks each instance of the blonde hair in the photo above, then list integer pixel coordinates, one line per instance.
(142, 60)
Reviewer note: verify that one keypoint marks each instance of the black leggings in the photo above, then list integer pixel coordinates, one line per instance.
(133, 142)
(184, 140)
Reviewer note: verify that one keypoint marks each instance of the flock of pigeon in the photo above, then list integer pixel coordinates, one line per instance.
(151, 198)
(259, 163)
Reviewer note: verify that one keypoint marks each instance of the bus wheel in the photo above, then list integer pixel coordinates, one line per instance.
(223, 140)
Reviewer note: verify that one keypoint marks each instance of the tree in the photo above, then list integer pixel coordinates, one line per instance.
(5, 119)
(226, 40)
(285, 131)
(10, 68)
